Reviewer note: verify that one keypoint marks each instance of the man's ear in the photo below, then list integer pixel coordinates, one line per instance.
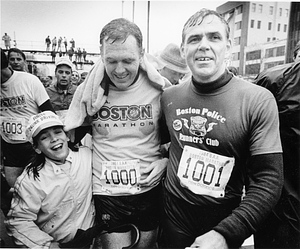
(182, 53)
(228, 49)
(142, 53)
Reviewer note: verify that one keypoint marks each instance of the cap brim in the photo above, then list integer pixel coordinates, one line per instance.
(45, 126)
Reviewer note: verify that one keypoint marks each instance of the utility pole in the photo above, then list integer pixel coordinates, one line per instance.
(148, 23)
(133, 5)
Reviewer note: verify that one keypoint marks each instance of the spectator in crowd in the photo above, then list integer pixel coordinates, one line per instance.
(53, 55)
(54, 43)
(75, 78)
(223, 130)
(175, 66)
(46, 80)
(79, 55)
(66, 44)
(17, 60)
(83, 76)
(71, 53)
(59, 41)
(52, 202)
(282, 228)
(120, 100)
(22, 95)
(62, 91)
(84, 53)
(48, 42)
(6, 38)
(72, 44)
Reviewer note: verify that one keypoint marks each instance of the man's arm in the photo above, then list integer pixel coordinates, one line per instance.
(265, 174)
(20, 221)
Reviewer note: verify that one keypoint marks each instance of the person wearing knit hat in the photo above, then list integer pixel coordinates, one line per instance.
(175, 67)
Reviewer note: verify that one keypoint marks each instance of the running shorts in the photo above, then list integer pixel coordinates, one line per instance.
(142, 210)
(16, 155)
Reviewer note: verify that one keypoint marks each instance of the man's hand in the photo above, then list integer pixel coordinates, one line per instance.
(156, 170)
(210, 240)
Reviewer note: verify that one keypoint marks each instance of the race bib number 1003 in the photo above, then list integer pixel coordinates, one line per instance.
(203, 172)
(13, 128)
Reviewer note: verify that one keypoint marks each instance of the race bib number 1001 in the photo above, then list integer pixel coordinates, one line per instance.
(203, 172)
(121, 176)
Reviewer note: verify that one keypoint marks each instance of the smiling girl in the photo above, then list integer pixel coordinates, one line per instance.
(53, 197)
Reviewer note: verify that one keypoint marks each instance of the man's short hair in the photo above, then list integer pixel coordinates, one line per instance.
(198, 17)
(18, 51)
(120, 29)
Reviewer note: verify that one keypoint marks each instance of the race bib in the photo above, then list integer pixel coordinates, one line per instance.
(121, 176)
(203, 172)
(13, 128)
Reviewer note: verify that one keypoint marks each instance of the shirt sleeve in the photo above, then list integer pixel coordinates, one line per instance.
(40, 93)
(265, 181)
(25, 206)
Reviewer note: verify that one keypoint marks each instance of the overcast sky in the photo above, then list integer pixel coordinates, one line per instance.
(29, 22)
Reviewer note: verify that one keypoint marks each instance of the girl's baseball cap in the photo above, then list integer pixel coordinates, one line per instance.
(41, 121)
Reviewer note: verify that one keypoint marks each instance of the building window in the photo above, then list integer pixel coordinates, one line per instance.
(274, 38)
(238, 25)
(253, 7)
(268, 39)
(278, 28)
(253, 55)
(252, 69)
(236, 56)
(237, 41)
(286, 12)
(260, 8)
(270, 26)
(271, 10)
(239, 9)
(280, 51)
(285, 27)
(270, 52)
(258, 24)
(280, 11)
(252, 24)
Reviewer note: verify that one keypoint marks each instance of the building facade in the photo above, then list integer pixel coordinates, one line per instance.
(256, 26)
(294, 30)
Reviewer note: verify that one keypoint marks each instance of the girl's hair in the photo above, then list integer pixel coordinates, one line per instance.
(37, 162)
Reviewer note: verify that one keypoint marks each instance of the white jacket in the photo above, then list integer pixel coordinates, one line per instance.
(54, 206)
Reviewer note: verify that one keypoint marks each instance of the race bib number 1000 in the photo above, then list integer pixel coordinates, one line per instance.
(203, 172)
(121, 176)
